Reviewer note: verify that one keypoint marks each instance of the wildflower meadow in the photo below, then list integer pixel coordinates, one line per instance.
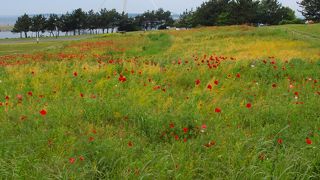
(233, 102)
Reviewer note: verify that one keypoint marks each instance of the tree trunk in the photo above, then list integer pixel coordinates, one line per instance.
(107, 30)
(74, 32)
(78, 31)
(25, 34)
(20, 34)
(102, 30)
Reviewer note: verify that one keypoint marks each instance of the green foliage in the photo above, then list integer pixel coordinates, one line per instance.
(38, 24)
(78, 20)
(310, 9)
(227, 12)
(295, 21)
(154, 19)
(127, 24)
(109, 19)
(23, 24)
(92, 21)
(52, 23)
(185, 20)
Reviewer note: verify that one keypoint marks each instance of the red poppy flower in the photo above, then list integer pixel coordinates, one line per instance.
(30, 93)
(280, 141)
(216, 82)
(184, 139)
(43, 112)
(248, 105)
(211, 143)
(122, 78)
(81, 95)
(274, 85)
(176, 137)
(185, 130)
(308, 141)
(197, 81)
(171, 125)
(91, 139)
(130, 144)
(156, 87)
(19, 97)
(94, 131)
(81, 158)
(72, 160)
(204, 126)
(217, 110)
(238, 75)
(75, 74)
(296, 93)
(7, 98)
(209, 86)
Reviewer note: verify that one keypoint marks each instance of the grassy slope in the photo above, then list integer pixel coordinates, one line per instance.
(116, 114)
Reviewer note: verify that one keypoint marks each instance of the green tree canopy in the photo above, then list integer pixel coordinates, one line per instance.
(23, 24)
(38, 23)
(311, 9)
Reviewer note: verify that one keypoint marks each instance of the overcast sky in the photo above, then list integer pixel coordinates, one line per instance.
(18, 7)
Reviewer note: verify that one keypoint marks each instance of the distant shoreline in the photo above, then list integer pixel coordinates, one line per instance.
(4, 28)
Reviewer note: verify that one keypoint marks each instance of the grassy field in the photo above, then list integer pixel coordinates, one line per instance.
(232, 102)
